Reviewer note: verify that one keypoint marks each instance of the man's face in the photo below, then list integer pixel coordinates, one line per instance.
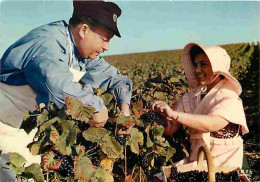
(95, 41)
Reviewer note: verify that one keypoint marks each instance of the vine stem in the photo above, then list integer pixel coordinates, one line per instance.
(125, 162)
(171, 162)
(149, 153)
(93, 149)
(47, 176)
(140, 177)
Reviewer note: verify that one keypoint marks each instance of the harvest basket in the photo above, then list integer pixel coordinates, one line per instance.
(203, 165)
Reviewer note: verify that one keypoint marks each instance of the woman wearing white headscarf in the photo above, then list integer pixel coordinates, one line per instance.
(213, 112)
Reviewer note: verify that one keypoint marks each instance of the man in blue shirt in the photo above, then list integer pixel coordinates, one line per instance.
(54, 61)
(60, 59)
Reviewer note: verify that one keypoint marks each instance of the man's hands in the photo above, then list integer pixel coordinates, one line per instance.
(125, 109)
(99, 119)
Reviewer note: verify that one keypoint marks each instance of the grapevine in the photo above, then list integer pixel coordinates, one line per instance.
(63, 134)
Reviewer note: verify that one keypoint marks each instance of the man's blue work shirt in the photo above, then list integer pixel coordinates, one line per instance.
(41, 59)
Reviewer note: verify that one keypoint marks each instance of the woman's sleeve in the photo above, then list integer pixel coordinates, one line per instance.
(49, 76)
(101, 74)
(179, 106)
(232, 110)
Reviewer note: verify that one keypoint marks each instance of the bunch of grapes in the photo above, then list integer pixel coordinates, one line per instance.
(118, 172)
(110, 126)
(174, 172)
(231, 176)
(196, 175)
(121, 139)
(66, 168)
(96, 160)
(143, 160)
(152, 117)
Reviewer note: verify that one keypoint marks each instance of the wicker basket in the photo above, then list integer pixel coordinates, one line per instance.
(202, 165)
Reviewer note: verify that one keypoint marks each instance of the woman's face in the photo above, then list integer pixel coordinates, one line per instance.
(203, 70)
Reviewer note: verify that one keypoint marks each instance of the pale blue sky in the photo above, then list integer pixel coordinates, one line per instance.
(145, 25)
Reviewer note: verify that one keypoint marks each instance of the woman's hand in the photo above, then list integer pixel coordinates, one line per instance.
(162, 108)
(165, 110)
(99, 119)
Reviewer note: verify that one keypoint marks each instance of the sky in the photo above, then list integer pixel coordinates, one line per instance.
(145, 25)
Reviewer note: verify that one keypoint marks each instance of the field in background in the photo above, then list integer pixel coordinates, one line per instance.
(149, 70)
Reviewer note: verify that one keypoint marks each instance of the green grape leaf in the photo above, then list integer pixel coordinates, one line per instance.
(126, 121)
(148, 98)
(149, 142)
(158, 130)
(170, 153)
(77, 110)
(34, 147)
(161, 141)
(174, 79)
(111, 147)
(16, 162)
(59, 142)
(98, 91)
(29, 123)
(72, 136)
(79, 149)
(94, 134)
(72, 130)
(137, 108)
(67, 125)
(48, 123)
(34, 171)
(42, 117)
(17, 169)
(102, 175)
(52, 109)
(136, 138)
(83, 168)
(55, 136)
(107, 97)
(160, 95)
(160, 150)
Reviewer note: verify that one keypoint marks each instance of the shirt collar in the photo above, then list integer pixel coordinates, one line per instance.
(74, 47)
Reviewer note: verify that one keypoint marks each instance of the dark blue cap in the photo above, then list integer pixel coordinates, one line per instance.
(105, 13)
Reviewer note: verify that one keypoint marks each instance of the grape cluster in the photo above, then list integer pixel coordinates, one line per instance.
(96, 160)
(110, 126)
(143, 160)
(229, 131)
(66, 168)
(174, 172)
(121, 139)
(118, 171)
(196, 175)
(119, 178)
(151, 117)
(179, 147)
(231, 176)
